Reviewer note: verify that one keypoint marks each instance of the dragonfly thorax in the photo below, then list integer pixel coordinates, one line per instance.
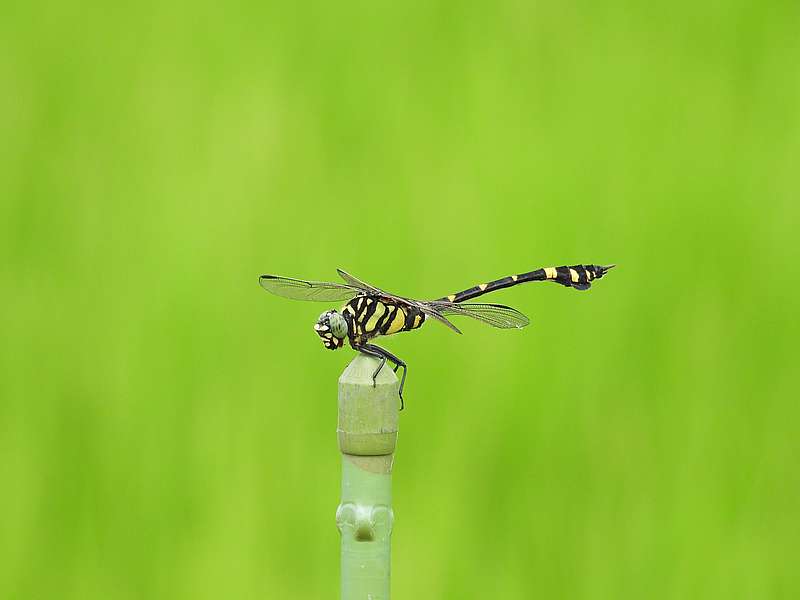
(331, 327)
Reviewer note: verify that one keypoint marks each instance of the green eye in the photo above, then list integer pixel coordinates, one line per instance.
(338, 325)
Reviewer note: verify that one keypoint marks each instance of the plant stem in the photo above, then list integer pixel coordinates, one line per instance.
(367, 438)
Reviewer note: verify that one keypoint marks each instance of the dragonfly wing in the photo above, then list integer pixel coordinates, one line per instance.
(357, 283)
(316, 291)
(496, 315)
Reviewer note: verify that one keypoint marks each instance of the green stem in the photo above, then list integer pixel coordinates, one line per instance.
(367, 438)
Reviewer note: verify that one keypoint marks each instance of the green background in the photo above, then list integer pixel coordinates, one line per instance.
(167, 429)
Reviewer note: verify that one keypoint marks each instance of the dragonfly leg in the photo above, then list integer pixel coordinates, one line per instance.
(377, 351)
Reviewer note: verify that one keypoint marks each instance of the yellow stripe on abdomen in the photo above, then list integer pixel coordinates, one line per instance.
(398, 322)
(380, 308)
(550, 272)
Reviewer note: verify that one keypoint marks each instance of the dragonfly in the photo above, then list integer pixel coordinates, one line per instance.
(370, 312)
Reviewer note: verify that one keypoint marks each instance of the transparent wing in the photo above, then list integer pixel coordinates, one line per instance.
(316, 291)
(357, 283)
(496, 315)
(435, 314)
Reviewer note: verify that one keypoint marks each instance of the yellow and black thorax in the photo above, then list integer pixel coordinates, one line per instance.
(369, 316)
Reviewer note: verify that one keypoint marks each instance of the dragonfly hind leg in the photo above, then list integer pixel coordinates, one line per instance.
(384, 355)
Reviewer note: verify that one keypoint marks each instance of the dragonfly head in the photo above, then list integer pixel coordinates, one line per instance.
(331, 327)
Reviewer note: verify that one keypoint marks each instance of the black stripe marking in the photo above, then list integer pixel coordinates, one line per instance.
(388, 322)
(382, 322)
(370, 310)
(564, 278)
(408, 325)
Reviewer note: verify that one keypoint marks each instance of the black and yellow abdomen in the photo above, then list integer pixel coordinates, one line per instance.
(370, 316)
(579, 277)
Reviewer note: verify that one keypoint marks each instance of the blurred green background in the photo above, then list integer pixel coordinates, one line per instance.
(167, 429)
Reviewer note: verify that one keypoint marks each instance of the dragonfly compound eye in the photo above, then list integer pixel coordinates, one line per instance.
(338, 325)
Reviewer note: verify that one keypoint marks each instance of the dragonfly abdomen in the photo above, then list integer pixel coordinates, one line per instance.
(576, 276)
